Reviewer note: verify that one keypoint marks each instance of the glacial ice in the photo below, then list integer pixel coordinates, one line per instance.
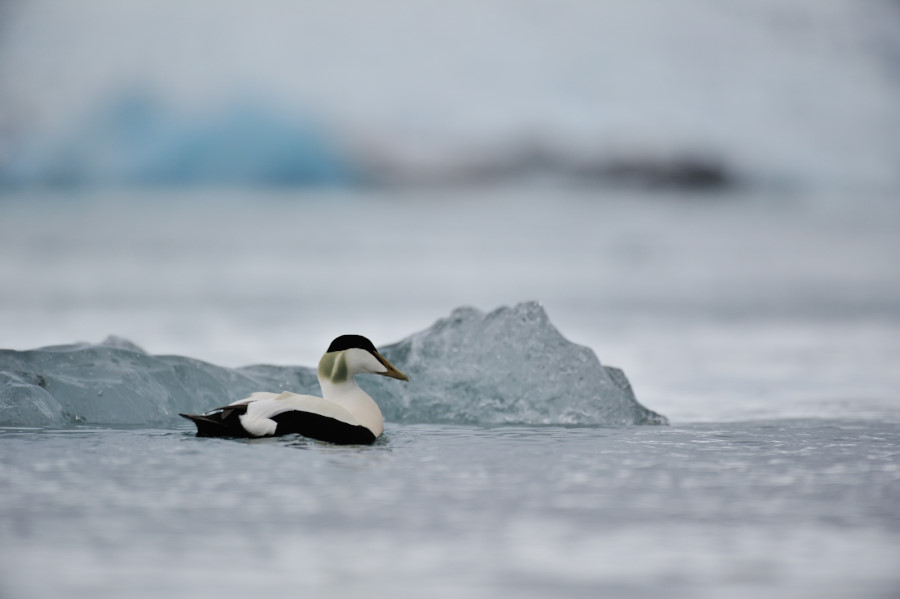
(510, 366)
(137, 139)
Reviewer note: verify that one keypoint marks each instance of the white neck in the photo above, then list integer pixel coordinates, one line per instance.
(349, 395)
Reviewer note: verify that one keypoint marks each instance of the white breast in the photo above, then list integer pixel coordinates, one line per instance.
(262, 407)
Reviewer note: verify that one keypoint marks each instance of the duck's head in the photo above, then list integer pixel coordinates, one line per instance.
(349, 355)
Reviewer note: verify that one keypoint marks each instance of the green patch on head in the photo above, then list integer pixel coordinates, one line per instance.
(333, 367)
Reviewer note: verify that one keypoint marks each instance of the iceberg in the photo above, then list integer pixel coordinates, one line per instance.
(509, 366)
(138, 140)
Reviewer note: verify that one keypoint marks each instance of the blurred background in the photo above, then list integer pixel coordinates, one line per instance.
(706, 193)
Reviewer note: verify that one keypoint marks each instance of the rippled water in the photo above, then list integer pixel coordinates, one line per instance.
(765, 327)
(790, 508)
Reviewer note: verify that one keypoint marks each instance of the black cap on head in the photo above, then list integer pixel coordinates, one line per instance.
(348, 341)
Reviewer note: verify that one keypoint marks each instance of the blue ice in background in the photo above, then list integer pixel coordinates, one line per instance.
(293, 93)
(138, 141)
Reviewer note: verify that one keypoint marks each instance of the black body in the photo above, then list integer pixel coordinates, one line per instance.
(226, 422)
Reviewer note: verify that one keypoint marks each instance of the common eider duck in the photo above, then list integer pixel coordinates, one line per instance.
(344, 415)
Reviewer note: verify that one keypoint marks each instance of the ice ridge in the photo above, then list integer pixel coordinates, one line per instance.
(509, 366)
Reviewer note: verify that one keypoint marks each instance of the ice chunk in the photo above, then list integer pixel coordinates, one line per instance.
(121, 343)
(508, 366)
(135, 139)
(113, 384)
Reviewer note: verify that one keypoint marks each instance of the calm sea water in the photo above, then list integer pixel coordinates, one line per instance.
(766, 327)
(791, 508)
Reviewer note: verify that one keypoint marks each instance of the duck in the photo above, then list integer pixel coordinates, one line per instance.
(344, 415)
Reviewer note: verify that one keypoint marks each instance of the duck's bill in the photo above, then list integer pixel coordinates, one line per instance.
(391, 371)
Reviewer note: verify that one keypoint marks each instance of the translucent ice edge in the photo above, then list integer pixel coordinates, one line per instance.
(509, 366)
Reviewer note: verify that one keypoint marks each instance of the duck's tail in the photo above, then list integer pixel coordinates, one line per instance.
(221, 422)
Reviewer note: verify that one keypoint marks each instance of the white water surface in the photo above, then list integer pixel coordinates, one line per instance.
(785, 509)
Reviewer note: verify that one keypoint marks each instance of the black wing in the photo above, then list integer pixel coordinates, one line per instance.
(226, 422)
(221, 422)
(323, 428)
